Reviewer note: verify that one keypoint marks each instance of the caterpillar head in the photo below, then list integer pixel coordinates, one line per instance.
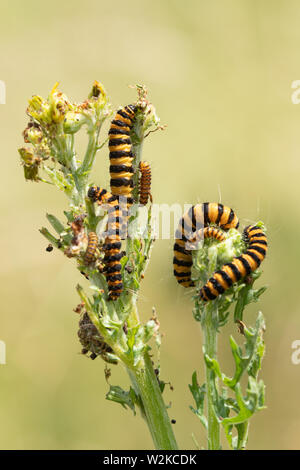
(93, 193)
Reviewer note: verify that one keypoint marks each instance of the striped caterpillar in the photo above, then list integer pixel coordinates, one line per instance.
(89, 255)
(145, 183)
(190, 228)
(240, 266)
(112, 244)
(237, 269)
(120, 153)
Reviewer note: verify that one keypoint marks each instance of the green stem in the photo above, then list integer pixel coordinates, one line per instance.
(154, 411)
(90, 152)
(210, 348)
(243, 429)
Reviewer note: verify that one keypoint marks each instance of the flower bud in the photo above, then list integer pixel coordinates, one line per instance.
(59, 104)
(33, 133)
(97, 101)
(30, 162)
(39, 110)
(97, 90)
(27, 155)
(73, 122)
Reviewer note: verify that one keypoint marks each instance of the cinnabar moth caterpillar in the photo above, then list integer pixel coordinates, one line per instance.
(112, 244)
(240, 266)
(145, 183)
(89, 255)
(120, 153)
(189, 230)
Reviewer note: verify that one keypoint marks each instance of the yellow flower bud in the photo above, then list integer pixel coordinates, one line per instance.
(59, 104)
(39, 110)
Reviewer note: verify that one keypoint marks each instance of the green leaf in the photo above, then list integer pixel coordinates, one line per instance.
(213, 365)
(245, 412)
(246, 295)
(69, 216)
(125, 399)
(58, 179)
(45, 232)
(198, 393)
(254, 351)
(124, 261)
(56, 224)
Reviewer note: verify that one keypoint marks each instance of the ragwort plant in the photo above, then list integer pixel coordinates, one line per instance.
(112, 330)
(109, 329)
(227, 405)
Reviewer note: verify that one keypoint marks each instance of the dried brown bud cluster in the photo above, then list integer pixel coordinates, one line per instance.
(92, 341)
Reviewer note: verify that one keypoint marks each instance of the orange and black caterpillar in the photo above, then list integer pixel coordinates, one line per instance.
(240, 266)
(145, 183)
(112, 244)
(89, 255)
(189, 230)
(183, 258)
(121, 154)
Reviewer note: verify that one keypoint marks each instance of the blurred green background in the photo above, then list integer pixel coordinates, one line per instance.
(220, 75)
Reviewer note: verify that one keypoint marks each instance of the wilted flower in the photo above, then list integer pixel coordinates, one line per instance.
(39, 109)
(59, 104)
(30, 162)
(93, 342)
(33, 133)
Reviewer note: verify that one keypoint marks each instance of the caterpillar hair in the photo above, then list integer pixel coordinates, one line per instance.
(240, 266)
(89, 255)
(121, 154)
(112, 244)
(145, 183)
(193, 226)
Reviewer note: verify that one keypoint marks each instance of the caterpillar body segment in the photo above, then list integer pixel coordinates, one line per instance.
(89, 255)
(116, 224)
(193, 226)
(121, 154)
(240, 267)
(113, 255)
(145, 183)
(202, 215)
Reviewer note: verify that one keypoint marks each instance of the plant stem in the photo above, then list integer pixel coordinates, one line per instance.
(154, 411)
(243, 429)
(210, 348)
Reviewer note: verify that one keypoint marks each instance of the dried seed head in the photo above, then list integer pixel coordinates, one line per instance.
(92, 341)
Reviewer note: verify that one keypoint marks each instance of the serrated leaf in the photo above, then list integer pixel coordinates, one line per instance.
(198, 393)
(254, 350)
